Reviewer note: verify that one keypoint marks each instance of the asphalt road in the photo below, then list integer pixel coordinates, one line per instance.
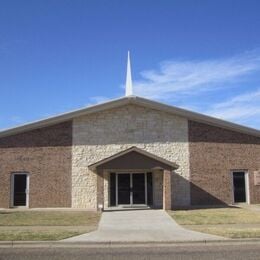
(193, 251)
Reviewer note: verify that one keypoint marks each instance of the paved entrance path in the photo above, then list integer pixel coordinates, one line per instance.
(140, 226)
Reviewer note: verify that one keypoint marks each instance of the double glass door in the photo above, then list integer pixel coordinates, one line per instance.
(131, 188)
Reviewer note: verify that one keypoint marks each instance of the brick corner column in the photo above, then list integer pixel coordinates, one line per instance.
(167, 194)
(100, 189)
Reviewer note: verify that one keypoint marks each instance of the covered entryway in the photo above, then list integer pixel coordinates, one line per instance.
(128, 178)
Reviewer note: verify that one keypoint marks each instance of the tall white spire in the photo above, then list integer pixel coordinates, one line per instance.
(129, 84)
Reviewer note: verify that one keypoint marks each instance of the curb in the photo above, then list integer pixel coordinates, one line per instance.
(55, 244)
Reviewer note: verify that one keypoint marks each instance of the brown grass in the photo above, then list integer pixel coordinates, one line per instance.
(216, 216)
(230, 232)
(46, 225)
(226, 222)
(48, 218)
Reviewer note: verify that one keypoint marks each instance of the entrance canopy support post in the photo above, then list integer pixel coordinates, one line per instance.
(100, 190)
(167, 198)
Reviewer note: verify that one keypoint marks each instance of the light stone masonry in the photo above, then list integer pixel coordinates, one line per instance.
(100, 135)
(158, 189)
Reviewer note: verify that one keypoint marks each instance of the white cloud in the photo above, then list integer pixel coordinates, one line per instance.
(190, 77)
(199, 85)
(252, 97)
(239, 108)
(203, 84)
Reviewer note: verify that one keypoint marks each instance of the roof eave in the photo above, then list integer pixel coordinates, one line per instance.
(131, 100)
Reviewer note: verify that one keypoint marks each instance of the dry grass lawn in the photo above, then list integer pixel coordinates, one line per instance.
(216, 216)
(47, 218)
(27, 235)
(46, 225)
(227, 222)
(230, 232)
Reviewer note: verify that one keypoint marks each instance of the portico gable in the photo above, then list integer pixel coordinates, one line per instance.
(129, 180)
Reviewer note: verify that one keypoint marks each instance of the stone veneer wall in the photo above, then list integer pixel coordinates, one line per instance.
(106, 189)
(97, 136)
(158, 189)
(214, 153)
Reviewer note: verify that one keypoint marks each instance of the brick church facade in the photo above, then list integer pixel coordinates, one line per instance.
(129, 152)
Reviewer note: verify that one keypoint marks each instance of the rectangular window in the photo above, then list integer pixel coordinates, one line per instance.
(20, 187)
(240, 186)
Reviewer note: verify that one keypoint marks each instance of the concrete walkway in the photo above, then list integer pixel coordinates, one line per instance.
(140, 226)
(253, 207)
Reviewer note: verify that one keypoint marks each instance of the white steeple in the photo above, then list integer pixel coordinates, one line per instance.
(129, 84)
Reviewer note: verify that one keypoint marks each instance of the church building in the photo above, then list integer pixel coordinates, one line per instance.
(129, 152)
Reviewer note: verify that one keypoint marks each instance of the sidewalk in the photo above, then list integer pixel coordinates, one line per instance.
(140, 226)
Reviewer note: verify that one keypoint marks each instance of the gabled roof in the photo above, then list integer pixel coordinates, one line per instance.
(137, 150)
(131, 100)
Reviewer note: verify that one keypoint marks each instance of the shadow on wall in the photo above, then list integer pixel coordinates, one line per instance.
(199, 132)
(199, 198)
(59, 135)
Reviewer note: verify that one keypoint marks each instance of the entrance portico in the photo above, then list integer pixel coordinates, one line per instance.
(128, 178)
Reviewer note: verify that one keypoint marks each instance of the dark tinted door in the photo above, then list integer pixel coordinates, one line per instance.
(20, 181)
(123, 183)
(239, 187)
(138, 188)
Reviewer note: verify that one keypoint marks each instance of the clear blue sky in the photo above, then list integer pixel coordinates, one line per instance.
(60, 55)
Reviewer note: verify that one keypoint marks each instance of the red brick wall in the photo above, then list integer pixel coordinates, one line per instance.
(52, 136)
(214, 152)
(46, 155)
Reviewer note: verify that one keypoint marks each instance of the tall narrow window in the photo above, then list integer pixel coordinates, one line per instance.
(20, 189)
(239, 186)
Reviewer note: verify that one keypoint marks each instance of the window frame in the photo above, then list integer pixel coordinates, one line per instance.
(27, 188)
(247, 185)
